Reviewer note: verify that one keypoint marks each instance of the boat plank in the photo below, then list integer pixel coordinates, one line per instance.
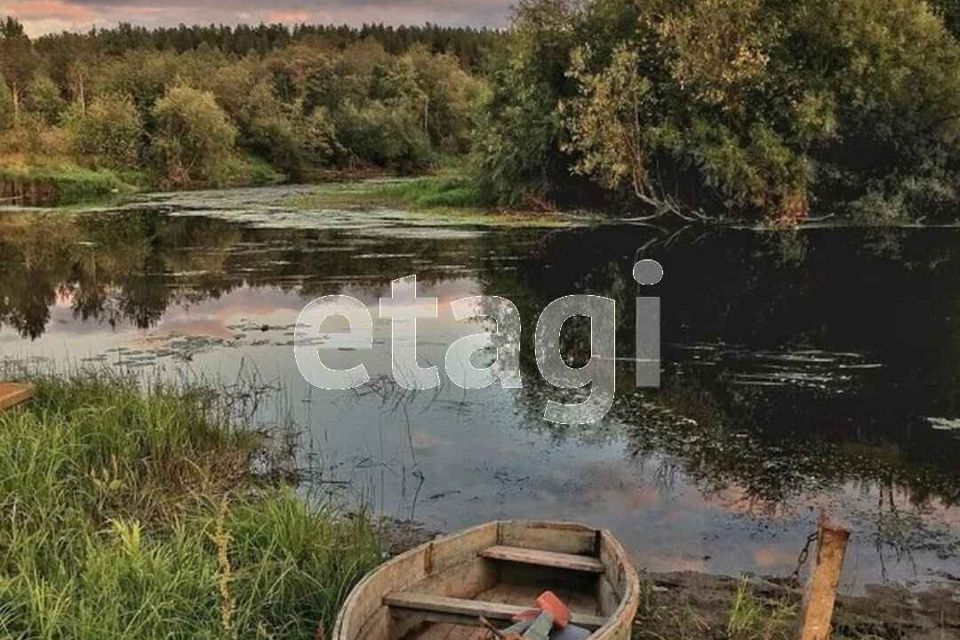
(12, 394)
(562, 537)
(537, 557)
(471, 610)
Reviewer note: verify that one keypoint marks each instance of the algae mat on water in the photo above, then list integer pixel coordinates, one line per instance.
(432, 200)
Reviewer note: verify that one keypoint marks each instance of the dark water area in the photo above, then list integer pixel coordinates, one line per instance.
(803, 370)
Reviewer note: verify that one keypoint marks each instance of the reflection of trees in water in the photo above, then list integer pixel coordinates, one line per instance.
(131, 266)
(890, 295)
(719, 449)
(842, 334)
(112, 267)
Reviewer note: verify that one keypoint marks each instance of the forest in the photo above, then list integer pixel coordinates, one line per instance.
(776, 109)
(196, 106)
(692, 109)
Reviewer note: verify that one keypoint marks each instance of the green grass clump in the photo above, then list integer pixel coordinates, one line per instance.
(135, 514)
(64, 183)
(718, 610)
(431, 192)
(752, 619)
(249, 170)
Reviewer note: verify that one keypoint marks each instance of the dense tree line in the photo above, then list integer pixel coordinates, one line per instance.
(694, 108)
(204, 105)
(767, 108)
(468, 45)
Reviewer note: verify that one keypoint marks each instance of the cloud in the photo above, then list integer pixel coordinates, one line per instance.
(48, 10)
(45, 16)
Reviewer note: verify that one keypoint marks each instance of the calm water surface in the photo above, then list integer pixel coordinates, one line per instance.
(804, 370)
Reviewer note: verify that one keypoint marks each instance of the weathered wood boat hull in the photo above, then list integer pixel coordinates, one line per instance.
(439, 590)
(12, 394)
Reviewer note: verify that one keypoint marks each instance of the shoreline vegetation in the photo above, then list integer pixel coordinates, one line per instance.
(796, 110)
(728, 109)
(40, 182)
(209, 107)
(445, 199)
(137, 512)
(141, 514)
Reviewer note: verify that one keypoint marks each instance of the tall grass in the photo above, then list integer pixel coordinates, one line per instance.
(702, 610)
(753, 619)
(433, 191)
(131, 514)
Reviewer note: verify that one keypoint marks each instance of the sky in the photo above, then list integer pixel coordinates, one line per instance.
(46, 16)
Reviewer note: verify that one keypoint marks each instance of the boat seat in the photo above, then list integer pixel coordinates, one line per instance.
(543, 558)
(463, 611)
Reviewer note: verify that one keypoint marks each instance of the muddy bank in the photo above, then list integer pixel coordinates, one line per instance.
(687, 604)
(682, 602)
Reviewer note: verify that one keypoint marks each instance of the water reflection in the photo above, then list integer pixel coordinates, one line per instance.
(803, 369)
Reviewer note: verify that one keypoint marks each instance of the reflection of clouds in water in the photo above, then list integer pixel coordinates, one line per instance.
(206, 288)
(242, 310)
(771, 532)
(771, 557)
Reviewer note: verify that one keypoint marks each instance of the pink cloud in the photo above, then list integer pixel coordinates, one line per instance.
(27, 10)
(288, 17)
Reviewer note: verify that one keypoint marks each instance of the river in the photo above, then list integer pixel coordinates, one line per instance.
(803, 369)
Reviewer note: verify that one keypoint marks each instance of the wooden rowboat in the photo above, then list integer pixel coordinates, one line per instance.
(12, 394)
(439, 590)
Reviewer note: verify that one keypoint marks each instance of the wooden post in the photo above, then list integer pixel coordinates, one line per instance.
(821, 592)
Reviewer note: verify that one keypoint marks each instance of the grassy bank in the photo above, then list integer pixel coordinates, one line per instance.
(427, 192)
(444, 199)
(432, 192)
(132, 514)
(42, 181)
(59, 182)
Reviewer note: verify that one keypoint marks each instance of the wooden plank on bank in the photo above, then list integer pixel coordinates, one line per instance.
(469, 611)
(539, 558)
(12, 394)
